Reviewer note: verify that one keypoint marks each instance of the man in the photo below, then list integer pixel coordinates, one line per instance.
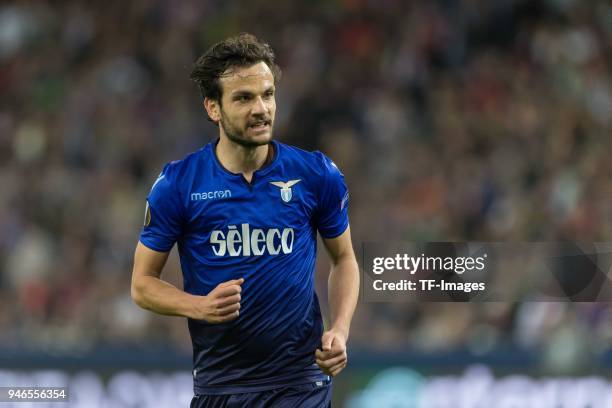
(245, 211)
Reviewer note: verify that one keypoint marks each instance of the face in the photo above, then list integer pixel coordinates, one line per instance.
(246, 112)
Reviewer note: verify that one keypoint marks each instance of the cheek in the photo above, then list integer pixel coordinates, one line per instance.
(240, 121)
(235, 116)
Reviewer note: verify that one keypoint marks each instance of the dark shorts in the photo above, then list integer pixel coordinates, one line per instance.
(315, 395)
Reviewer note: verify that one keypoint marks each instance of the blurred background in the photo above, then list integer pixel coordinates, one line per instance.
(452, 120)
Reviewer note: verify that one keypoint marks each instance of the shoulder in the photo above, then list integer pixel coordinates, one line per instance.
(316, 163)
(177, 171)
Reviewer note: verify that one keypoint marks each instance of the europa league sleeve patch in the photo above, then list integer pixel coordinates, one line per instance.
(147, 217)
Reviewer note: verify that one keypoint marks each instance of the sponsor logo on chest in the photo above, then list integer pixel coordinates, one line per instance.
(242, 241)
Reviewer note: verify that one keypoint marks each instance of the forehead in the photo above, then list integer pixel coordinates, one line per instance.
(252, 78)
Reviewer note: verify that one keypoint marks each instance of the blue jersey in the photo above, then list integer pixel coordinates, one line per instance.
(265, 232)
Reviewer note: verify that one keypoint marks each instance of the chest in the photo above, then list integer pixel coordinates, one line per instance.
(273, 202)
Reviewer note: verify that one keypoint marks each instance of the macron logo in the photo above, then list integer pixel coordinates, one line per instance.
(211, 195)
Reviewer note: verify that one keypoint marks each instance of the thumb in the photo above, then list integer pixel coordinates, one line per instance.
(327, 340)
(232, 282)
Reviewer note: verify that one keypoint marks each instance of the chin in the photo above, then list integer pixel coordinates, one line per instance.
(253, 141)
(261, 139)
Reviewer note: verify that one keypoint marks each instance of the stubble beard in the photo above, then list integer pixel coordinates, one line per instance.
(237, 136)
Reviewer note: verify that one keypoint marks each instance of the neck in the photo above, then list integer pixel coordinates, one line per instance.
(241, 159)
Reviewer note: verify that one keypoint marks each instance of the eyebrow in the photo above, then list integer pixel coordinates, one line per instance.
(249, 93)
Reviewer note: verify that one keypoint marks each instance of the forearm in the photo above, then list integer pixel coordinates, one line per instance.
(343, 292)
(156, 295)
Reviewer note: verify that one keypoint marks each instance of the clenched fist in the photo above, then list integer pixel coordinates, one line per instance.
(332, 357)
(221, 305)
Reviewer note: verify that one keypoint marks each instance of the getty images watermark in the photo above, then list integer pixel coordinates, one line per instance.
(480, 271)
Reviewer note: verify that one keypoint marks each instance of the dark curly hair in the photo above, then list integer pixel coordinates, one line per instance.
(242, 50)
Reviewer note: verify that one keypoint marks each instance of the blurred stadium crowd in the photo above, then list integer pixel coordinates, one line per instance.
(452, 120)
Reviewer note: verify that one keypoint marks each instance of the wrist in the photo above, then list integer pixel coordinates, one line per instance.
(194, 307)
(341, 329)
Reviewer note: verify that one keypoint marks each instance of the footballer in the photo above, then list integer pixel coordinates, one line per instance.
(245, 211)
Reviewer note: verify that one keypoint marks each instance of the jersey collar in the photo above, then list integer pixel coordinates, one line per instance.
(259, 172)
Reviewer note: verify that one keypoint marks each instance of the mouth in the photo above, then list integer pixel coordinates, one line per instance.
(259, 126)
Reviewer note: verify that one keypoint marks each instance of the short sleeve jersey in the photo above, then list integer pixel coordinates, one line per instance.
(264, 231)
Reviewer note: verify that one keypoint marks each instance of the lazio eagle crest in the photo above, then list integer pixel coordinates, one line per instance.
(285, 188)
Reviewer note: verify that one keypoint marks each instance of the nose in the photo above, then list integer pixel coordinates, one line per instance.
(259, 106)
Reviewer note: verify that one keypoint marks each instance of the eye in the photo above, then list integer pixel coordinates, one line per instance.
(242, 98)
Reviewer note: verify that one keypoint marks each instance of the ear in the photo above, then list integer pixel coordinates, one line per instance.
(213, 109)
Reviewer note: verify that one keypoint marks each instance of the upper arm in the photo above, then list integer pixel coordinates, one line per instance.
(340, 247)
(164, 218)
(147, 262)
(332, 207)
